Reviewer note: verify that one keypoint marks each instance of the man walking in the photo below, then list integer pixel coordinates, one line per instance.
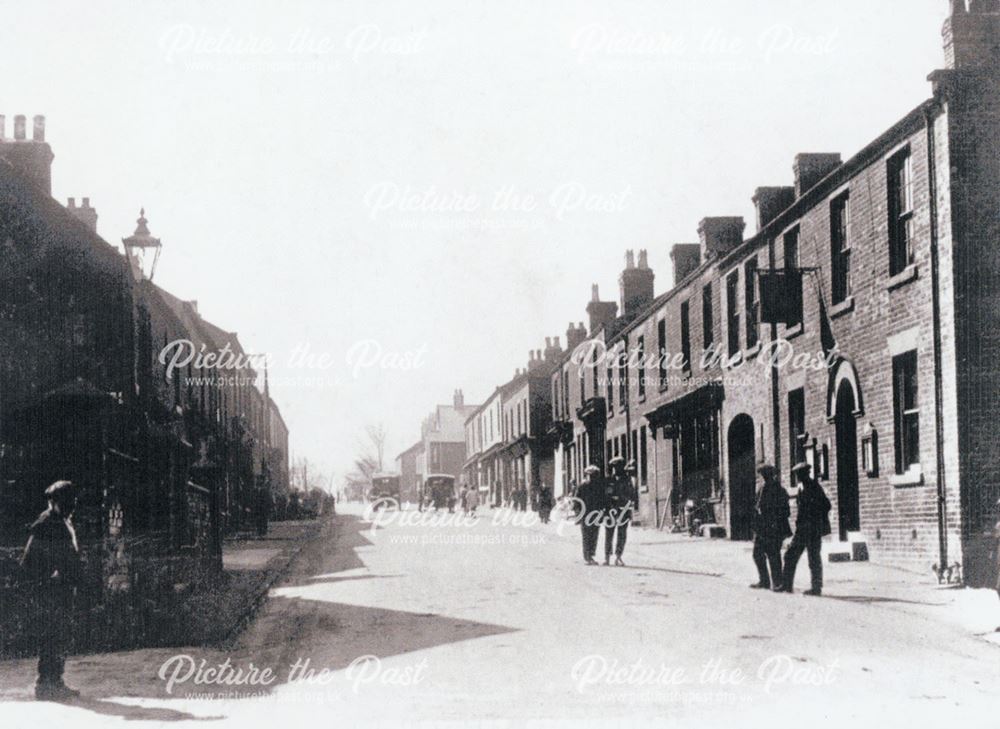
(621, 500)
(770, 527)
(51, 563)
(591, 494)
(812, 523)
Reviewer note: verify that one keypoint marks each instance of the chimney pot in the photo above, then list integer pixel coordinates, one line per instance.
(20, 126)
(629, 259)
(643, 260)
(686, 258)
(594, 293)
(556, 343)
(86, 202)
(38, 131)
(71, 203)
(719, 236)
(811, 167)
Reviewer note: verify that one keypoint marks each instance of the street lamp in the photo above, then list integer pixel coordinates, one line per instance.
(142, 250)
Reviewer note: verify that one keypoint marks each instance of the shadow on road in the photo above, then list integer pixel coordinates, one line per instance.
(302, 623)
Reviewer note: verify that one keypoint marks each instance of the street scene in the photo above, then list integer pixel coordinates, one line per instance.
(463, 364)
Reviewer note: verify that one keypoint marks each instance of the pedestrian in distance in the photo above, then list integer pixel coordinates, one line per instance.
(812, 523)
(471, 499)
(770, 528)
(591, 498)
(53, 570)
(464, 499)
(545, 504)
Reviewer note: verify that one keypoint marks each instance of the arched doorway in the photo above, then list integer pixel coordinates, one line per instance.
(848, 500)
(742, 478)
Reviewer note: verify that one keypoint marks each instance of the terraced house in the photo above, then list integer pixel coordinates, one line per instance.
(857, 329)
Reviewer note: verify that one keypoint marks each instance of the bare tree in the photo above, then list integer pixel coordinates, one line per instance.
(376, 434)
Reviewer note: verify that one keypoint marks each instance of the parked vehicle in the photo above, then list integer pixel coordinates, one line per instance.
(439, 491)
(384, 486)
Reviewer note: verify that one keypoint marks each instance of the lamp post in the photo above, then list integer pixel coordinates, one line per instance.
(142, 250)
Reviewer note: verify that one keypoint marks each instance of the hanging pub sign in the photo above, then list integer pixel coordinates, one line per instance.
(780, 296)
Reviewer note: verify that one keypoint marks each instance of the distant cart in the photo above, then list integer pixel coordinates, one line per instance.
(385, 486)
(439, 491)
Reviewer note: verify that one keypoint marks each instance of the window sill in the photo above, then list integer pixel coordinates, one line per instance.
(749, 354)
(902, 278)
(913, 477)
(792, 332)
(842, 308)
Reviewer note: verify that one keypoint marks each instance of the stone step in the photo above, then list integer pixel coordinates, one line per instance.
(854, 549)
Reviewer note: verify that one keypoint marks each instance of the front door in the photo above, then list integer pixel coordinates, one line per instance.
(848, 502)
(742, 478)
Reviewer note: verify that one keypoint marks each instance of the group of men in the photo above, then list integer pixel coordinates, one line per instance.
(771, 528)
(608, 503)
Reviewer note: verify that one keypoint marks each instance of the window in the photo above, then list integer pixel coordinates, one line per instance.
(840, 246)
(707, 317)
(565, 381)
(750, 301)
(900, 178)
(791, 245)
(732, 313)
(686, 336)
(555, 397)
(906, 411)
(622, 391)
(583, 386)
(642, 455)
(641, 373)
(796, 426)
(661, 346)
(610, 386)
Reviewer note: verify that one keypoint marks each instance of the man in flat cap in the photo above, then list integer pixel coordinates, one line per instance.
(591, 496)
(770, 528)
(812, 523)
(621, 501)
(51, 564)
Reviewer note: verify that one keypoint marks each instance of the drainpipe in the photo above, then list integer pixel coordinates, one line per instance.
(775, 401)
(942, 496)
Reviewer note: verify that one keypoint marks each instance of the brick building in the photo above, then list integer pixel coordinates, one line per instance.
(84, 395)
(877, 359)
(406, 467)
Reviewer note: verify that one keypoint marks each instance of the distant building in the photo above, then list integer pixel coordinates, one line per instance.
(406, 467)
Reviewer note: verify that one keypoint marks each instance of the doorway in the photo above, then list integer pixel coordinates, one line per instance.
(742, 478)
(848, 500)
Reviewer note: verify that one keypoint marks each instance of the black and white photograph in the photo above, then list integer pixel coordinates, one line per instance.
(465, 363)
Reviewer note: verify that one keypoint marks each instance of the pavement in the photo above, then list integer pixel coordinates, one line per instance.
(438, 620)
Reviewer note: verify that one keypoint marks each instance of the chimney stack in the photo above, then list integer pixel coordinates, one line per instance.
(602, 313)
(31, 158)
(458, 399)
(552, 348)
(686, 258)
(972, 37)
(719, 236)
(635, 285)
(811, 167)
(85, 214)
(771, 202)
(574, 336)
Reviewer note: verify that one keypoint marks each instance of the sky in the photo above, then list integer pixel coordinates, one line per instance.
(398, 199)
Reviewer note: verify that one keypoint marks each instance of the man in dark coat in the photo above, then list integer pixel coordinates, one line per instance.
(621, 498)
(770, 527)
(51, 564)
(812, 523)
(591, 494)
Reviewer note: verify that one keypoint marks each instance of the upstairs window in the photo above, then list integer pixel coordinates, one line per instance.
(900, 175)
(686, 336)
(906, 411)
(732, 313)
(610, 387)
(840, 247)
(641, 368)
(750, 301)
(622, 391)
(791, 255)
(707, 317)
(661, 348)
